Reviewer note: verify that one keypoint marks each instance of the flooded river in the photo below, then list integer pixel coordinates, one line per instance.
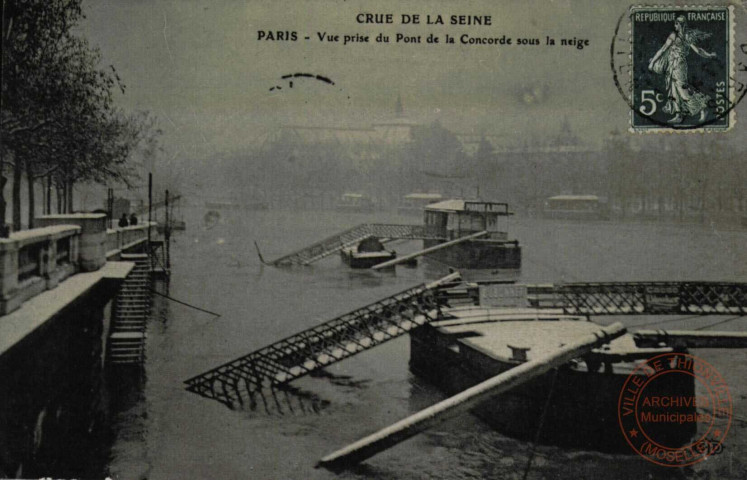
(161, 431)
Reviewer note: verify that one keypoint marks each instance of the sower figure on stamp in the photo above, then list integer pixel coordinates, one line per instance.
(683, 99)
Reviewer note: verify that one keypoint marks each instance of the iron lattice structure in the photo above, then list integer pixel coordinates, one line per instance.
(240, 381)
(642, 298)
(353, 236)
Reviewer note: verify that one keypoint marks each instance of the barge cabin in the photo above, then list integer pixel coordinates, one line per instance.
(491, 254)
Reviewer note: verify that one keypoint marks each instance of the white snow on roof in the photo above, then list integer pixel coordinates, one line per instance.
(575, 197)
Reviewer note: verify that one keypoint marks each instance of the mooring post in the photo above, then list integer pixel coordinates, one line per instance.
(464, 401)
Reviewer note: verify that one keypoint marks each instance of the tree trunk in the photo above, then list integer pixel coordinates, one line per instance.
(49, 195)
(3, 181)
(17, 172)
(70, 197)
(32, 198)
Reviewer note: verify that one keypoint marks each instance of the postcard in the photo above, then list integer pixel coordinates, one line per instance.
(345, 239)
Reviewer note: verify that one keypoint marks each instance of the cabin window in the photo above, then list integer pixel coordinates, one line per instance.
(437, 219)
(477, 223)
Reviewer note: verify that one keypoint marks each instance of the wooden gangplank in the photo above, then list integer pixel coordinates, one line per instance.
(155, 205)
(237, 382)
(426, 251)
(353, 236)
(466, 400)
(642, 298)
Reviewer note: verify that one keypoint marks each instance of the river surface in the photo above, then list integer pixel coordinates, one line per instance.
(161, 431)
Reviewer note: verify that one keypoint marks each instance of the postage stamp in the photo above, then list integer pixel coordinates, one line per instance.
(675, 410)
(682, 60)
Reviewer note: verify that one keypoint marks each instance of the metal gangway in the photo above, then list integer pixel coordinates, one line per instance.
(642, 298)
(353, 236)
(240, 381)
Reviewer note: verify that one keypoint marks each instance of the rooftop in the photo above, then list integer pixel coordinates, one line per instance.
(542, 332)
(593, 198)
(424, 196)
(458, 205)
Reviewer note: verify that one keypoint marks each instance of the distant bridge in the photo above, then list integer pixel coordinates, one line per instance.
(159, 204)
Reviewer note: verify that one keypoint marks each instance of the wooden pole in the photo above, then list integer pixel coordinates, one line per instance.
(464, 401)
(428, 250)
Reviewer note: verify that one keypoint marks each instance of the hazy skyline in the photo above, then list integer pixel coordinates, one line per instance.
(200, 68)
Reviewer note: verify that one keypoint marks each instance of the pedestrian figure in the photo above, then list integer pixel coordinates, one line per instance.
(133, 219)
(123, 220)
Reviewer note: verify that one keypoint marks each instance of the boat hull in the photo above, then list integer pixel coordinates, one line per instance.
(366, 260)
(582, 410)
(484, 255)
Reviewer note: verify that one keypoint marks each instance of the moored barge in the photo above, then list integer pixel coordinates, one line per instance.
(575, 207)
(470, 344)
(494, 253)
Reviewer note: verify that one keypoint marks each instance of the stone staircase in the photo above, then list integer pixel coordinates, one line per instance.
(131, 312)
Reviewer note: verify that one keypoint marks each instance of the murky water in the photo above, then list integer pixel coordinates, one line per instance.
(162, 431)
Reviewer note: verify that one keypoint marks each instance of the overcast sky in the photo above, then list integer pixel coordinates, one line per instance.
(199, 66)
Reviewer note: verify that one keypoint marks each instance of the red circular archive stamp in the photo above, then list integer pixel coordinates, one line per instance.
(664, 420)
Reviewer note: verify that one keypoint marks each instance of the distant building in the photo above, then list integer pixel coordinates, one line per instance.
(362, 145)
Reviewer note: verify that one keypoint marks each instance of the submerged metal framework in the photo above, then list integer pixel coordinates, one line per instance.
(642, 298)
(240, 381)
(353, 236)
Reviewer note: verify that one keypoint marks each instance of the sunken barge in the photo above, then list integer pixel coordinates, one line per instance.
(575, 407)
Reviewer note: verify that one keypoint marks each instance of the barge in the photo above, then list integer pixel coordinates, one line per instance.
(355, 203)
(492, 254)
(471, 344)
(575, 207)
(366, 254)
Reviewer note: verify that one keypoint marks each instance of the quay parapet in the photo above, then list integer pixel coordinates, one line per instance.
(32, 261)
(62, 288)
